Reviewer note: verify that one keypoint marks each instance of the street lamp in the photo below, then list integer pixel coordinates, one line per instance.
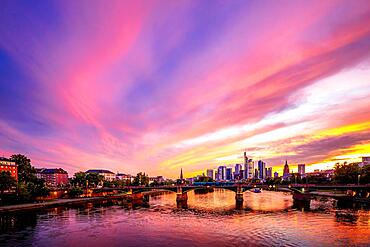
(358, 181)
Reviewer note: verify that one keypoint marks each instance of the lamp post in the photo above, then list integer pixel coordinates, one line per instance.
(358, 179)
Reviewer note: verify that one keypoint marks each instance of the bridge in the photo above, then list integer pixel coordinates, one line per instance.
(302, 193)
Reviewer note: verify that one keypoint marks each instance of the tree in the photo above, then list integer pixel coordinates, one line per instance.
(79, 179)
(141, 179)
(75, 192)
(347, 173)
(6, 181)
(94, 178)
(26, 172)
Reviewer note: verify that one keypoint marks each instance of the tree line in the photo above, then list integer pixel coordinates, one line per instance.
(27, 188)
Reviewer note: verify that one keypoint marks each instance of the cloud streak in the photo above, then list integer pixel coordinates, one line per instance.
(159, 85)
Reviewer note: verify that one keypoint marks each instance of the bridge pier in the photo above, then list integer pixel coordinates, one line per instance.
(239, 195)
(302, 200)
(181, 198)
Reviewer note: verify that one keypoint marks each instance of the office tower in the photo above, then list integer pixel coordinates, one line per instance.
(269, 172)
(261, 169)
(229, 173)
(221, 173)
(276, 174)
(238, 168)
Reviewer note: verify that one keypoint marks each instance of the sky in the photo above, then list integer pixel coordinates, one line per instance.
(157, 86)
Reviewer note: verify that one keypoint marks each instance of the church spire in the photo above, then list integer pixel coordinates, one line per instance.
(181, 177)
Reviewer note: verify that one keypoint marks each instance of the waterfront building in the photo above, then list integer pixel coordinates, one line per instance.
(229, 173)
(8, 165)
(261, 169)
(108, 175)
(53, 177)
(301, 169)
(286, 174)
(256, 173)
(210, 173)
(276, 174)
(123, 176)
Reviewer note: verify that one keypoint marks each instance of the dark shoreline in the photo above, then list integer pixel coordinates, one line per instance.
(56, 203)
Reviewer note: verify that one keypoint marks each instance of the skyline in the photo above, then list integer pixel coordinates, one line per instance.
(156, 86)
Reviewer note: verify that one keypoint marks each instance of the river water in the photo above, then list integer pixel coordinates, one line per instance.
(266, 219)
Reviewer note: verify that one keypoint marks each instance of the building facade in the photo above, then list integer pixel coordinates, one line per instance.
(221, 173)
(7, 165)
(229, 173)
(53, 177)
(108, 175)
(261, 169)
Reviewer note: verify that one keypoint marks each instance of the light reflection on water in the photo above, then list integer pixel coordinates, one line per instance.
(266, 219)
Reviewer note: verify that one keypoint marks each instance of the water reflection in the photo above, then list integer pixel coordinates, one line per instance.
(263, 219)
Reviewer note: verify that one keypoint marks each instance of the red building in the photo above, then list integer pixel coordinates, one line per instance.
(53, 177)
(7, 165)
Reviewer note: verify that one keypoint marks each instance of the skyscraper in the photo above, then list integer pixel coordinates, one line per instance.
(238, 167)
(301, 169)
(229, 173)
(269, 172)
(210, 173)
(261, 169)
(276, 174)
(245, 175)
(248, 167)
(221, 171)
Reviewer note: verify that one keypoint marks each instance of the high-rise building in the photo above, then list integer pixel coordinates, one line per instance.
(256, 173)
(210, 173)
(261, 169)
(221, 171)
(229, 173)
(269, 172)
(276, 174)
(245, 174)
(248, 167)
(238, 168)
(301, 169)
(286, 173)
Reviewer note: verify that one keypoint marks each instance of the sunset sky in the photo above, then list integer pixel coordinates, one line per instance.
(156, 86)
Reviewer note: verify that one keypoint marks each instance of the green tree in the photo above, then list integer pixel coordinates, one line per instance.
(346, 173)
(26, 172)
(94, 178)
(75, 192)
(6, 181)
(79, 179)
(141, 180)
(37, 188)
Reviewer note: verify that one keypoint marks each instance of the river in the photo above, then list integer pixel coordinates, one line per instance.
(266, 219)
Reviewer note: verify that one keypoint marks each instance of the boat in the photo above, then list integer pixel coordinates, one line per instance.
(256, 190)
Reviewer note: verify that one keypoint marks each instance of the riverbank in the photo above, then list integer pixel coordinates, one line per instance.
(56, 203)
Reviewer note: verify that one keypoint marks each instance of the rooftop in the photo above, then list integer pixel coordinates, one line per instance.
(99, 171)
